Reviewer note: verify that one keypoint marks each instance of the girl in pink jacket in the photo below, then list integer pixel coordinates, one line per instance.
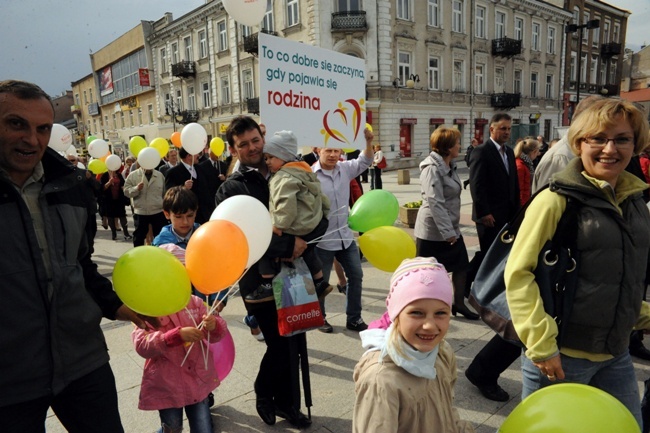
(169, 387)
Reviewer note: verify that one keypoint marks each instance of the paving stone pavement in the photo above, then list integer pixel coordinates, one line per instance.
(332, 356)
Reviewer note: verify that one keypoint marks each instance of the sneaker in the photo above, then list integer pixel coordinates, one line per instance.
(323, 289)
(342, 288)
(326, 328)
(255, 332)
(211, 399)
(358, 325)
(263, 293)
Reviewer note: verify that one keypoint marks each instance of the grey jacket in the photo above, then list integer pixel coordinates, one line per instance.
(439, 216)
(51, 333)
(553, 161)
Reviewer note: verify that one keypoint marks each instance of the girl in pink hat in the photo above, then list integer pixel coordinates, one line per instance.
(405, 380)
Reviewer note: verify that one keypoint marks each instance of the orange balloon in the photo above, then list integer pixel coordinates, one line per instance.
(176, 139)
(209, 269)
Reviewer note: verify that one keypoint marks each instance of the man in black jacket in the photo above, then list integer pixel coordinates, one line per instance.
(53, 299)
(276, 382)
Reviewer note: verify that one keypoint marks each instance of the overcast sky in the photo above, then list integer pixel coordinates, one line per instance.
(48, 41)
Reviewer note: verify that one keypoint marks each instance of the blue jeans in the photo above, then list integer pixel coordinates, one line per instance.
(615, 376)
(198, 416)
(351, 263)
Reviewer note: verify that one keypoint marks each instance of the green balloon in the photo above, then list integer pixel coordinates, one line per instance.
(376, 208)
(570, 408)
(136, 144)
(90, 139)
(151, 281)
(97, 166)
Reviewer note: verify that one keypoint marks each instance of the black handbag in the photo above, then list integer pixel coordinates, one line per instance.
(555, 274)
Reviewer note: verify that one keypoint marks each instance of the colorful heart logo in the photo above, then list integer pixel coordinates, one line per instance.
(343, 124)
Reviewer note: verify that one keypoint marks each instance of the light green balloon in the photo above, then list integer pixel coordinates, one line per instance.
(97, 166)
(90, 139)
(151, 281)
(136, 144)
(376, 208)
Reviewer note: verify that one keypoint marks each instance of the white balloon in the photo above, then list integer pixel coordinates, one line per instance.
(253, 218)
(80, 165)
(60, 138)
(194, 138)
(246, 12)
(98, 148)
(149, 158)
(71, 150)
(113, 162)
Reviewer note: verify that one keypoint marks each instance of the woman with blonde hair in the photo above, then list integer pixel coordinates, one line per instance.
(437, 230)
(526, 151)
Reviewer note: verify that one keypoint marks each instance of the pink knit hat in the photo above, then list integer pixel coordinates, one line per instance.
(418, 278)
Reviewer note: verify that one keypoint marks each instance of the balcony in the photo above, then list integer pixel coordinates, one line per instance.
(188, 116)
(184, 69)
(505, 101)
(75, 109)
(610, 49)
(506, 47)
(250, 42)
(253, 105)
(349, 21)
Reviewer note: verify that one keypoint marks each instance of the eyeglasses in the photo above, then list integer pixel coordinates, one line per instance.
(600, 142)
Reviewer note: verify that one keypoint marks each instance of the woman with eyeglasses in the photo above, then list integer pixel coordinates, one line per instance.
(612, 239)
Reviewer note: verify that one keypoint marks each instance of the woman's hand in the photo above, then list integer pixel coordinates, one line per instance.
(551, 368)
(210, 322)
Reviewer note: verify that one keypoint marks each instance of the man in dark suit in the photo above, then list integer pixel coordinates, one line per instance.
(215, 172)
(495, 195)
(311, 157)
(189, 174)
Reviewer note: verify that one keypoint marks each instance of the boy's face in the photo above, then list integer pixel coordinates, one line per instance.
(182, 223)
(273, 163)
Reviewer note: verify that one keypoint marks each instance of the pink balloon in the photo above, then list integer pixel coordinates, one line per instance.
(223, 353)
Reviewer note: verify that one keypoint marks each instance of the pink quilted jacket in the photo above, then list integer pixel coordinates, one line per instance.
(165, 384)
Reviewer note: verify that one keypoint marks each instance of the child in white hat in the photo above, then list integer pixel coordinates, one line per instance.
(297, 206)
(405, 380)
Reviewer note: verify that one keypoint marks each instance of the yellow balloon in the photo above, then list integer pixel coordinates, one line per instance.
(369, 126)
(151, 281)
(161, 145)
(136, 144)
(385, 247)
(97, 166)
(217, 146)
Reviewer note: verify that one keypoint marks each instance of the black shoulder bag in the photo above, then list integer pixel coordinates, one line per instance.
(555, 274)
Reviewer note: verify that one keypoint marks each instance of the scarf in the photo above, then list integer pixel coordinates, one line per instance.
(529, 163)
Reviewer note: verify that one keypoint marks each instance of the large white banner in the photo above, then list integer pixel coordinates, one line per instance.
(316, 93)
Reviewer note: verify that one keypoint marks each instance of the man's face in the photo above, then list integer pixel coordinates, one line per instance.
(25, 127)
(248, 148)
(500, 131)
(172, 156)
(328, 157)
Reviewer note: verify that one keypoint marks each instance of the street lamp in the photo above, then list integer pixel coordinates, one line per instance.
(172, 114)
(410, 83)
(572, 28)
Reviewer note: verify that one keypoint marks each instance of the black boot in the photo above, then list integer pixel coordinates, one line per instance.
(636, 346)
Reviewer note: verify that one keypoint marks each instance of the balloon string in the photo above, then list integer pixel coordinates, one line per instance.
(318, 239)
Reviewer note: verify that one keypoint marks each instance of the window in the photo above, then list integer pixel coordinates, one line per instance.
(549, 86)
(85, 97)
(459, 76)
(612, 73)
(499, 80)
(203, 45)
(593, 70)
(534, 42)
(583, 68)
(617, 30)
(131, 120)
(121, 119)
(434, 73)
(187, 43)
(572, 73)
(267, 22)
(114, 121)
(499, 25)
(163, 60)
(140, 116)
(348, 5)
(434, 13)
(595, 35)
(404, 9)
(179, 100)
(225, 90)
(606, 32)
(457, 16)
(517, 81)
(576, 15)
(77, 101)
(90, 92)
(247, 79)
(293, 17)
(479, 79)
(150, 110)
(585, 18)
(205, 94)
(245, 32)
(403, 66)
(105, 122)
(533, 84)
(603, 73)
(223, 35)
(550, 48)
(480, 22)
(174, 53)
(519, 29)
(191, 98)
